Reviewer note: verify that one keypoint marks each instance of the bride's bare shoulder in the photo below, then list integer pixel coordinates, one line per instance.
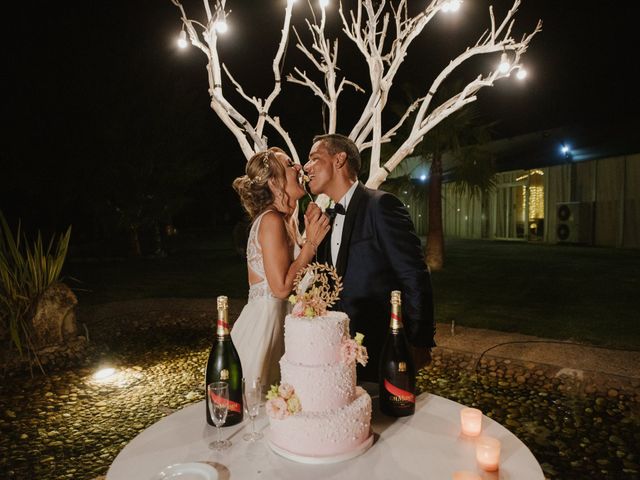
(272, 222)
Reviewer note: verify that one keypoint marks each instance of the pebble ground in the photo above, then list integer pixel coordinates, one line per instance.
(68, 426)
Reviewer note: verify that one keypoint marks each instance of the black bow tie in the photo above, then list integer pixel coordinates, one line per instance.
(337, 209)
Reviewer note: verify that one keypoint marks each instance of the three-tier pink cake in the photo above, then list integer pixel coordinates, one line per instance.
(335, 415)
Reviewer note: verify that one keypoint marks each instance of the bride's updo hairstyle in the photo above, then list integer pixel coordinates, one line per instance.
(253, 188)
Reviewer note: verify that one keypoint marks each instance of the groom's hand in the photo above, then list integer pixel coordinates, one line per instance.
(421, 357)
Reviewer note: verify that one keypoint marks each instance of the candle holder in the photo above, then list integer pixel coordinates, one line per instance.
(488, 453)
(465, 475)
(471, 421)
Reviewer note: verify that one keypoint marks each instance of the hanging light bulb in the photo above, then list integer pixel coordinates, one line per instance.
(504, 63)
(182, 40)
(221, 26)
(522, 74)
(451, 6)
(455, 5)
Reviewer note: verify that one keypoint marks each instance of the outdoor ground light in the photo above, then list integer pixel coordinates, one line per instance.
(182, 40)
(104, 373)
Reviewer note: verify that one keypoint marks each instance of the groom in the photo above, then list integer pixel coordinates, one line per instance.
(374, 248)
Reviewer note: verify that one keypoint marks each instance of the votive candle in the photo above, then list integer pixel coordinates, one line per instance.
(488, 453)
(465, 475)
(471, 421)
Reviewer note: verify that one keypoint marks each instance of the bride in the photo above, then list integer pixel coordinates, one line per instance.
(269, 192)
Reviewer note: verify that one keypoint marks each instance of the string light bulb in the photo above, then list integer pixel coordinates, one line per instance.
(522, 74)
(221, 26)
(504, 63)
(182, 40)
(451, 6)
(324, 3)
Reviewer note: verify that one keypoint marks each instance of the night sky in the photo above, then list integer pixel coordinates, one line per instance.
(97, 95)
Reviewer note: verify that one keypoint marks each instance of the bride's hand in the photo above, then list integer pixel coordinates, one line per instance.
(312, 212)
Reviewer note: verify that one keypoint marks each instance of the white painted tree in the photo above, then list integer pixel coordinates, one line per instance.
(382, 31)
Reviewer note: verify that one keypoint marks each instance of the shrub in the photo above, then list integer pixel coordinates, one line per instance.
(27, 269)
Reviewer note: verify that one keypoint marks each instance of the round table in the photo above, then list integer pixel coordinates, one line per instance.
(426, 445)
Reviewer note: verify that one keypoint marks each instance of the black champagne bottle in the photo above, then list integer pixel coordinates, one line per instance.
(224, 365)
(397, 370)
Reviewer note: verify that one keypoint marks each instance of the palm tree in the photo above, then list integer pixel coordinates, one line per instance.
(458, 138)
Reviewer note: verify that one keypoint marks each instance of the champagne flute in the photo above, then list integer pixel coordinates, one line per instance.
(251, 395)
(218, 398)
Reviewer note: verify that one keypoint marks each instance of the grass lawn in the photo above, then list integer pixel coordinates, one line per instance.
(567, 292)
(579, 293)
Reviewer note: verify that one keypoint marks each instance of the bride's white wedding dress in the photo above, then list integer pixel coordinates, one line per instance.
(258, 333)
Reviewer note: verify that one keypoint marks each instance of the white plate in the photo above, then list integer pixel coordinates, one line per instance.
(188, 471)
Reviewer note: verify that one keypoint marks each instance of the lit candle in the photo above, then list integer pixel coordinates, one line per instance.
(471, 421)
(465, 475)
(488, 453)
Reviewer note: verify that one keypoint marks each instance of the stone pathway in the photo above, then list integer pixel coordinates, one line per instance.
(67, 425)
(583, 367)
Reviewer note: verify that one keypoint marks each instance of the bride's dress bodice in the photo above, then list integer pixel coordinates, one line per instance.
(258, 332)
(256, 263)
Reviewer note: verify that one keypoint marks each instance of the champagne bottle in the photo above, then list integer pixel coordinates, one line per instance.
(224, 365)
(397, 371)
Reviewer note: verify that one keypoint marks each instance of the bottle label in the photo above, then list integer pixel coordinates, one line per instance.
(232, 406)
(224, 374)
(398, 392)
(222, 327)
(396, 321)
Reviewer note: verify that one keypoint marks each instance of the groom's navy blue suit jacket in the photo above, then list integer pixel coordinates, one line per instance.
(381, 252)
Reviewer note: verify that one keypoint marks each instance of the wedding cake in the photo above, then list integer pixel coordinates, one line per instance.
(317, 411)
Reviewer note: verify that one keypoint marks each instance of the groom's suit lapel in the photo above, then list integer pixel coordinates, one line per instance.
(347, 229)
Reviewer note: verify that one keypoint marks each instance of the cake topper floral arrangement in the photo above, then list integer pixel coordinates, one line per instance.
(317, 288)
(314, 294)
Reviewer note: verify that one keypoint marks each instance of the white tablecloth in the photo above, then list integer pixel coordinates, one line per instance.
(427, 445)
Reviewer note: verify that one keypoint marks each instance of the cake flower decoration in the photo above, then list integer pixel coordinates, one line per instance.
(282, 401)
(317, 288)
(352, 350)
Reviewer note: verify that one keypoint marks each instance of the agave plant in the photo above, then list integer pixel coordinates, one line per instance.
(27, 269)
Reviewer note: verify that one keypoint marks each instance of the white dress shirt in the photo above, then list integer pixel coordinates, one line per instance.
(338, 224)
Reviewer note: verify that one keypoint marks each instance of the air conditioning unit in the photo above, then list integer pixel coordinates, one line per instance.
(574, 222)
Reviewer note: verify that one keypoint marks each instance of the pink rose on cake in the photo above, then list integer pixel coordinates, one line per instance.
(285, 391)
(349, 351)
(298, 310)
(282, 401)
(352, 350)
(277, 408)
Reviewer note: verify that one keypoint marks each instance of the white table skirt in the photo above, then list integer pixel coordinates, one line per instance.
(427, 445)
